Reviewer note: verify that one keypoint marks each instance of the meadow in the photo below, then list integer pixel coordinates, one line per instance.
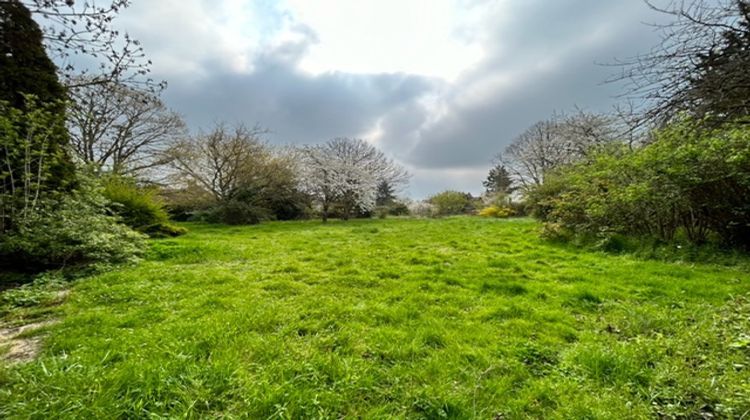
(411, 318)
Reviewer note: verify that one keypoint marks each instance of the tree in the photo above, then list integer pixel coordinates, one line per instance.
(75, 28)
(272, 187)
(121, 129)
(548, 144)
(33, 136)
(24, 65)
(452, 202)
(347, 172)
(498, 180)
(385, 194)
(245, 179)
(722, 87)
(331, 178)
(688, 181)
(699, 67)
(219, 160)
(533, 153)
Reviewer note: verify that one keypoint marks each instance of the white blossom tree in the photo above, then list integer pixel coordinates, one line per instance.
(557, 141)
(347, 172)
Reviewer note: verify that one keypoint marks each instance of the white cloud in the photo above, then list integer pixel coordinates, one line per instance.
(426, 37)
(196, 37)
(422, 37)
(441, 85)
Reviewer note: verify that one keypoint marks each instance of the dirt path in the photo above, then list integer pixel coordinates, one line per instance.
(22, 349)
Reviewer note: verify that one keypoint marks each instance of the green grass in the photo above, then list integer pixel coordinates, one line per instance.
(456, 318)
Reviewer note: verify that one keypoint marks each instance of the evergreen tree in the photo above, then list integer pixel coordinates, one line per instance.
(34, 137)
(385, 194)
(25, 67)
(499, 180)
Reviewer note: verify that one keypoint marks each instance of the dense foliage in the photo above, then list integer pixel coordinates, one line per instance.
(50, 216)
(69, 229)
(33, 138)
(690, 182)
(30, 160)
(139, 207)
(29, 85)
(24, 65)
(452, 202)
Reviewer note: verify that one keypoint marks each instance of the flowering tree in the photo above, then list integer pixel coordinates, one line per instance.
(72, 29)
(347, 172)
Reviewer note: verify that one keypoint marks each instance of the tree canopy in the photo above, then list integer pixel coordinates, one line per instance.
(25, 67)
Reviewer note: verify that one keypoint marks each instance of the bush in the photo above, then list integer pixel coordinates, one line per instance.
(422, 209)
(139, 207)
(498, 212)
(188, 202)
(395, 208)
(520, 209)
(689, 182)
(398, 208)
(235, 212)
(33, 142)
(452, 202)
(163, 230)
(69, 229)
(275, 199)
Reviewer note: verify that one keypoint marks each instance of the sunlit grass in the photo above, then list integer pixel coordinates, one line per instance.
(459, 317)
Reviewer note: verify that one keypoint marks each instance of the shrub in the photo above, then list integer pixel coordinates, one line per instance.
(488, 211)
(188, 202)
(452, 202)
(498, 212)
(69, 229)
(33, 142)
(139, 207)
(398, 208)
(421, 209)
(690, 181)
(275, 199)
(520, 209)
(43, 289)
(235, 212)
(556, 232)
(162, 230)
(395, 208)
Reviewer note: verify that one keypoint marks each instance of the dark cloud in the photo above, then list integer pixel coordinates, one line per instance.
(539, 56)
(554, 67)
(295, 106)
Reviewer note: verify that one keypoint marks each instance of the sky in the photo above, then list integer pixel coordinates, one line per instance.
(441, 86)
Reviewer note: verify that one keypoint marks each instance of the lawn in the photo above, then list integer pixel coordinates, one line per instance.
(433, 318)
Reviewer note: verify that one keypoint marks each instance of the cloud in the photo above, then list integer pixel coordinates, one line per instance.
(440, 85)
(295, 106)
(526, 76)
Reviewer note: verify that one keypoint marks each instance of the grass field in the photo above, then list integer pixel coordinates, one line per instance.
(451, 318)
